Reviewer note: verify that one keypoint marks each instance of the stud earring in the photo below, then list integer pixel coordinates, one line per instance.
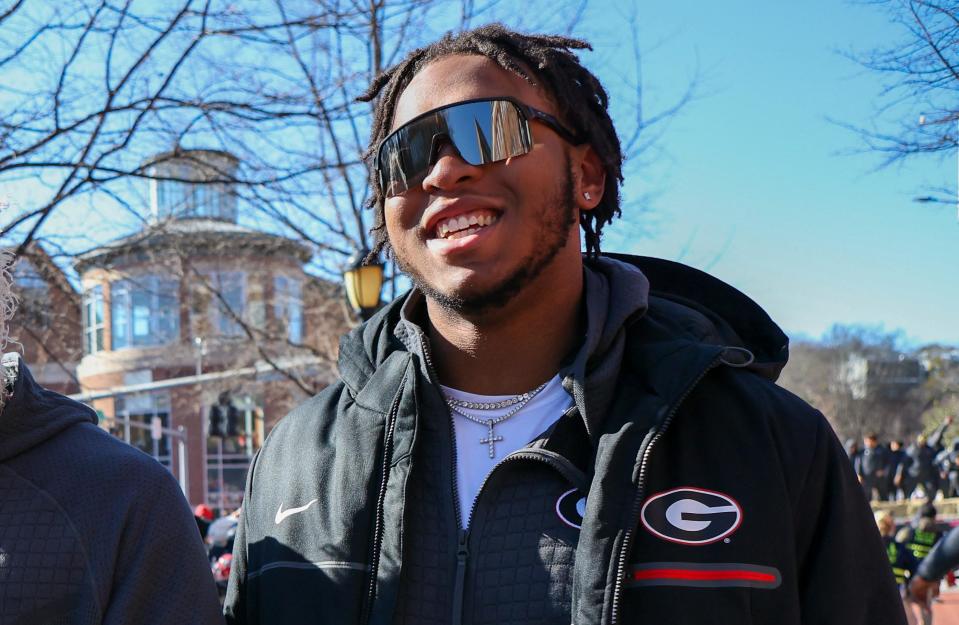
(587, 196)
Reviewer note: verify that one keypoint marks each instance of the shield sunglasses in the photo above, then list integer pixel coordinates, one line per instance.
(483, 131)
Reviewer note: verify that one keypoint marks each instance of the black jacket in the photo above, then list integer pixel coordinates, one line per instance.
(684, 487)
(872, 460)
(895, 459)
(901, 559)
(92, 531)
(920, 461)
(948, 459)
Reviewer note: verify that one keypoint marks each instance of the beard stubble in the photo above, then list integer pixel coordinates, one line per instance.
(558, 214)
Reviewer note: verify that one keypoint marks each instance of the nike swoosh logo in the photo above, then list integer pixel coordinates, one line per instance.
(282, 514)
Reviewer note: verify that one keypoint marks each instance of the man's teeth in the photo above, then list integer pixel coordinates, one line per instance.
(464, 224)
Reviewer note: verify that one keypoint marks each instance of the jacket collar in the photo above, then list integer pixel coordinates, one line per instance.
(615, 295)
(664, 320)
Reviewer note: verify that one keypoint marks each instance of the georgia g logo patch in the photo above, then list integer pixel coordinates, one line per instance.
(571, 508)
(691, 516)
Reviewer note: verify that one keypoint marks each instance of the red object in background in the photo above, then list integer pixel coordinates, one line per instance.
(204, 512)
(951, 579)
(221, 568)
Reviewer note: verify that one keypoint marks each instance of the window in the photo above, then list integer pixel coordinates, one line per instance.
(134, 414)
(288, 307)
(228, 298)
(145, 311)
(211, 200)
(234, 431)
(195, 185)
(93, 323)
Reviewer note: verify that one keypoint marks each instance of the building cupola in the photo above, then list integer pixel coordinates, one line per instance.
(193, 184)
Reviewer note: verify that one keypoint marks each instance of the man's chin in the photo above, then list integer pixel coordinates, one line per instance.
(470, 301)
(462, 294)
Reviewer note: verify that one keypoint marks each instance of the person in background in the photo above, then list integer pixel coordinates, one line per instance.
(919, 470)
(894, 460)
(923, 533)
(204, 516)
(219, 541)
(852, 452)
(873, 460)
(944, 557)
(901, 560)
(948, 463)
(92, 530)
(221, 535)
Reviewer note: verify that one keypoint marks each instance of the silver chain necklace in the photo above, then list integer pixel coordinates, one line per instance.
(517, 403)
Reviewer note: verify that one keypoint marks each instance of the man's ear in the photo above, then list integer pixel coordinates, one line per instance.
(589, 177)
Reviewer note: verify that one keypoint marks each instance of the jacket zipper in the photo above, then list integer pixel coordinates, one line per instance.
(381, 498)
(462, 557)
(640, 487)
(462, 552)
(434, 379)
(462, 547)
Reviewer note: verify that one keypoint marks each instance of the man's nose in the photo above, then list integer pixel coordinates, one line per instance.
(449, 169)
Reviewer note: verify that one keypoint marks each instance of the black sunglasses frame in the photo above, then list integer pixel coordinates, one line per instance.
(527, 112)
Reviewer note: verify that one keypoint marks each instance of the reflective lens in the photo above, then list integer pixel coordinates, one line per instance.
(483, 132)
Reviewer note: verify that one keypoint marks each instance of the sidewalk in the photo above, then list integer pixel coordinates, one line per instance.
(947, 612)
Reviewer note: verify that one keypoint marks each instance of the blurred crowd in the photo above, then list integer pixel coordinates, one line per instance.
(925, 469)
(218, 535)
(907, 547)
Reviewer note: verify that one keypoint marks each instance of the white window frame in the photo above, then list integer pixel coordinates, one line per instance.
(122, 295)
(94, 333)
(146, 405)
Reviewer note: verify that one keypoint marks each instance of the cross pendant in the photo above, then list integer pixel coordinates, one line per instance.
(490, 439)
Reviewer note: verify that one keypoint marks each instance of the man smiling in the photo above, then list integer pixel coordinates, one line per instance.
(535, 435)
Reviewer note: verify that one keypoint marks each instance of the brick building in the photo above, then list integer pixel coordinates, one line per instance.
(198, 333)
(47, 327)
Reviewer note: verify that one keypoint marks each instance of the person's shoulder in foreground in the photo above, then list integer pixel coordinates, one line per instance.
(91, 530)
(674, 483)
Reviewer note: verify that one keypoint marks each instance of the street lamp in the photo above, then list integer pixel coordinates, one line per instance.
(200, 348)
(363, 283)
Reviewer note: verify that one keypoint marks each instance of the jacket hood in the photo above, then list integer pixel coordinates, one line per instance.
(708, 310)
(395, 327)
(689, 308)
(33, 415)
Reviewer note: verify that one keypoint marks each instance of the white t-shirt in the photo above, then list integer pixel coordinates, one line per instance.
(473, 463)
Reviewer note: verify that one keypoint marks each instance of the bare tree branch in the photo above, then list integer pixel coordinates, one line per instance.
(918, 115)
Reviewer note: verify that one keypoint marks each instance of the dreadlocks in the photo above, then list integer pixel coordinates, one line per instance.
(581, 99)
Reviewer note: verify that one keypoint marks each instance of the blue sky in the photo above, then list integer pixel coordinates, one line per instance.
(752, 182)
(757, 186)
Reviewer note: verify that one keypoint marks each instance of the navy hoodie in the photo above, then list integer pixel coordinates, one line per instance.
(91, 529)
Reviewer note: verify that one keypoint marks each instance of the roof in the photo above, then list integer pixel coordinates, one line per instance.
(209, 237)
(194, 155)
(48, 269)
